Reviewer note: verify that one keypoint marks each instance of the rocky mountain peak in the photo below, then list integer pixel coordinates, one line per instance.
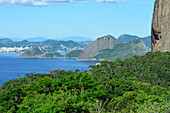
(107, 37)
(105, 42)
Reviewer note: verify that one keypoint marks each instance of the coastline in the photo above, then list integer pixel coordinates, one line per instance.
(89, 59)
(49, 57)
(64, 58)
(40, 57)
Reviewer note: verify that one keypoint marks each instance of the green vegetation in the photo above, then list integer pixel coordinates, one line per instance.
(123, 50)
(52, 55)
(73, 54)
(127, 38)
(33, 52)
(138, 84)
(37, 52)
(147, 41)
(48, 45)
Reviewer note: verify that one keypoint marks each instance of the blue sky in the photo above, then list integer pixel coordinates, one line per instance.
(64, 18)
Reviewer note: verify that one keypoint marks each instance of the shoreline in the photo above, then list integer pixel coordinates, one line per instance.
(89, 59)
(44, 57)
(63, 58)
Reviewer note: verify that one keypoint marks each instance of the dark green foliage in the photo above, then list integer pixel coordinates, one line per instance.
(138, 84)
(73, 54)
(52, 55)
(153, 68)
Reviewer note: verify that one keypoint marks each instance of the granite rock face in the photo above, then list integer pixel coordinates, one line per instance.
(109, 48)
(124, 50)
(160, 37)
(106, 42)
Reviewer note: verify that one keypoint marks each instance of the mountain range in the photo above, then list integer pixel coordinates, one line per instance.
(40, 39)
(110, 48)
(48, 45)
(121, 38)
(103, 48)
(107, 47)
(127, 38)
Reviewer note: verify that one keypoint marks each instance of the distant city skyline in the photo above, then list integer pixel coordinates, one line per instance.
(67, 18)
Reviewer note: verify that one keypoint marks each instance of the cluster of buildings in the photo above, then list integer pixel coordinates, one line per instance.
(13, 49)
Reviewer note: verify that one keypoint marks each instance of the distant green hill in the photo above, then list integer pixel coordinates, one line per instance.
(37, 52)
(127, 38)
(48, 45)
(147, 41)
(73, 54)
(52, 55)
(6, 42)
(123, 50)
(109, 48)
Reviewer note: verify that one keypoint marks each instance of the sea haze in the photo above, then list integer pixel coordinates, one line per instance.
(11, 65)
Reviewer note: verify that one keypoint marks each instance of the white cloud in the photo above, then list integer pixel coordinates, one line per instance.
(23, 2)
(40, 3)
(2, 2)
(27, 3)
(64, 1)
(112, 1)
(50, 2)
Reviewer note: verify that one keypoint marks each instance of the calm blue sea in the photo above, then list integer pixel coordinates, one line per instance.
(10, 65)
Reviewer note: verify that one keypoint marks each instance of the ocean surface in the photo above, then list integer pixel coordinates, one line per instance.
(11, 65)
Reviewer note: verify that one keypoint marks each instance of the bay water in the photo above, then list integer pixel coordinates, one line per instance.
(11, 65)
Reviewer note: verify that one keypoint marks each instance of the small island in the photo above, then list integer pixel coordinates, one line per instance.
(37, 52)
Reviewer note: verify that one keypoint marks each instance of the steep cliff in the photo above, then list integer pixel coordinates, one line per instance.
(109, 48)
(124, 50)
(160, 37)
(106, 42)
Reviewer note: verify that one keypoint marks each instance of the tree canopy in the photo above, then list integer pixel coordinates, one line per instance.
(138, 84)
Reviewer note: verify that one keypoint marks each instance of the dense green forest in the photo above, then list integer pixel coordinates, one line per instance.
(139, 84)
(73, 54)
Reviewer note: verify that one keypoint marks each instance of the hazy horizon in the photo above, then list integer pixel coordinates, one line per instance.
(61, 38)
